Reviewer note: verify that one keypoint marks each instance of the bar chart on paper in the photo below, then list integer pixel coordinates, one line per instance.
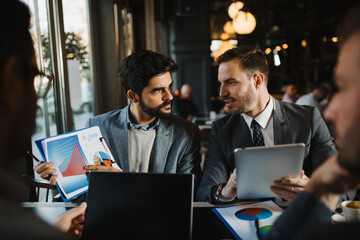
(67, 155)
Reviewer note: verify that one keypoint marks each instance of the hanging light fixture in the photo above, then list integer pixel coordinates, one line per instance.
(228, 28)
(244, 23)
(234, 8)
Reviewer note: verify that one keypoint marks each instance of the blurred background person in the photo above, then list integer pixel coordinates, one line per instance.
(314, 98)
(289, 93)
(183, 105)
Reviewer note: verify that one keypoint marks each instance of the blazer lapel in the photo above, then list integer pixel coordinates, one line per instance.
(120, 131)
(242, 136)
(280, 122)
(161, 148)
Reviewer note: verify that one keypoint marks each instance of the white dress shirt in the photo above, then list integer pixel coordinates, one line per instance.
(265, 120)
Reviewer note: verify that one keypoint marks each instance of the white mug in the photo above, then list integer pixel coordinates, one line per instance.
(351, 210)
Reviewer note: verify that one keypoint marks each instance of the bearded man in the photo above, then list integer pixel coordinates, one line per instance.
(145, 136)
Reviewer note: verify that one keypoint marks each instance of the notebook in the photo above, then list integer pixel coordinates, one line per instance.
(258, 167)
(139, 206)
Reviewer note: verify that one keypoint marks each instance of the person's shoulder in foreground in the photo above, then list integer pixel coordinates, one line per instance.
(309, 215)
(17, 119)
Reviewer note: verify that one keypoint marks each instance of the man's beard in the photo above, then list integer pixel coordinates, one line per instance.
(349, 152)
(245, 102)
(155, 112)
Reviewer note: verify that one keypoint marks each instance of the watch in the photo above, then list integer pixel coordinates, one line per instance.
(220, 198)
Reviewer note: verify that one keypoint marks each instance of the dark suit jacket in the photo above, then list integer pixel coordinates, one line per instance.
(308, 218)
(17, 222)
(292, 124)
(176, 149)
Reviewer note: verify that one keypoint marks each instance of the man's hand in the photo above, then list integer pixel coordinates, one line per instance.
(289, 187)
(45, 171)
(102, 168)
(229, 190)
(330, 180)
(71, 220)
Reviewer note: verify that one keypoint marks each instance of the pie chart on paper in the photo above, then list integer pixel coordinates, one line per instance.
(250, 214)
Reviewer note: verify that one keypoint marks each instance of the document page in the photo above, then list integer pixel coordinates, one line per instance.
(250, 220)
(70, 152)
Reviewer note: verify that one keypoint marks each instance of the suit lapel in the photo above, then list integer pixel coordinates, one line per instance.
(161, 148)
(120, 131)
(280, 122)
(242, 136)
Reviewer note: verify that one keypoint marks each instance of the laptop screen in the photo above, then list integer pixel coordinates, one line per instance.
(139, 206)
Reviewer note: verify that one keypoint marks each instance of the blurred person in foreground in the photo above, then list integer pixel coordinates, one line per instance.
(308, 217)
(184, 105)
(17, 120)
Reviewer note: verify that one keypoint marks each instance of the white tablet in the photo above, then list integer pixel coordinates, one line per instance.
(258, 167)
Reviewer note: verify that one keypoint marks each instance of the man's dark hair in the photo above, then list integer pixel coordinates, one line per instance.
(136, 70)
(251, 57)
(16, 40)
(351, 24)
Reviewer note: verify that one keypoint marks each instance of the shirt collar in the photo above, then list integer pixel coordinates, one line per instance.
(263, 118)
(148, 127)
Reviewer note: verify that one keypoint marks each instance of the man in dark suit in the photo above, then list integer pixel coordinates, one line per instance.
(243, 75)
(308, 217)
(17, 120)
(144, 136)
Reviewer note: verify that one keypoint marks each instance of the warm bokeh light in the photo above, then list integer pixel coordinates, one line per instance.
(267, 51)
(278, 48)
(324, 39)
(224, 46)
(334, 39)
(224, 36)
(234, 8)
(303, 43)
(285, 46)
(228, 28)
(244, 23)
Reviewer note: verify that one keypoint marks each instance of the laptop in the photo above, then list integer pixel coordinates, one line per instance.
(258, 167)
(139, 206)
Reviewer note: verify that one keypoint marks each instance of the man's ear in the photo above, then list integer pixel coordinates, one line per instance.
(11, 84)
(258, 80)
(134, 97)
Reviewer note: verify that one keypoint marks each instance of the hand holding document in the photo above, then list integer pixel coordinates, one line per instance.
(70, 153)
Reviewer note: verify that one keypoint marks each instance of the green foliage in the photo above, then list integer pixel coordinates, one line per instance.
(75, 49)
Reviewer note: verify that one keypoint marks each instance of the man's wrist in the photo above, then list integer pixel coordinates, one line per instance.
(218, 197)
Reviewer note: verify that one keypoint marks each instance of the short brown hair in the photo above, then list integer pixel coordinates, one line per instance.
(251, 57)
(351, 24)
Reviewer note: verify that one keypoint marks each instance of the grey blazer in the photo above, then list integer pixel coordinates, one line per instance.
(177, 143)
(292, 124)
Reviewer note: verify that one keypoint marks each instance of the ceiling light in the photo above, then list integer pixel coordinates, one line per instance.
(244, 23)
(234, 8)
(303, 43)
(228, 28)
(224, 36)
